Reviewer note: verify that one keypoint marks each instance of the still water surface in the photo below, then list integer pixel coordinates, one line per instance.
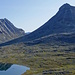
(12, 69)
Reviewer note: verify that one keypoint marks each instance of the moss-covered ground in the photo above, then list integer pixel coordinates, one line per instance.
(43, 59)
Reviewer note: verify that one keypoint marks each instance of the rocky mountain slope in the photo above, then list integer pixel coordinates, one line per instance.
(8, 31)
(62, 38)
(62, 22)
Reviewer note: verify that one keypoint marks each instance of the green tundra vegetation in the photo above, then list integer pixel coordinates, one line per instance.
(49, 50)
(43, 59)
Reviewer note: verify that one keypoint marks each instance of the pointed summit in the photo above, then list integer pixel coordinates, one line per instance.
(8, 31)
(65, 6)
(62, 22)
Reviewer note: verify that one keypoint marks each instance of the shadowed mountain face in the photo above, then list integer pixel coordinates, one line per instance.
(61, 38)
(62, 22)
(8, 31)
(4, 66)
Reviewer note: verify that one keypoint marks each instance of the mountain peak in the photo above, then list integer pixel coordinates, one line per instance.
(5, 19)
(65, 6)
(8, 31)
(62, 22)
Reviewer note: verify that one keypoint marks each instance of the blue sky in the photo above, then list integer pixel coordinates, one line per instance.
(30, 14)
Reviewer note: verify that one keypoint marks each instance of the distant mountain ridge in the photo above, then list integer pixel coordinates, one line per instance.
(62, 22)
(55, 39)
(8, 31)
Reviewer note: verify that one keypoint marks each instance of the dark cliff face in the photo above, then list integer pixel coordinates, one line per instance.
(8, 31)
(62, 22)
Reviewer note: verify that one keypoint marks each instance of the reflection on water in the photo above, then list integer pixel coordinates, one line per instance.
(4, 66)
(12, 69)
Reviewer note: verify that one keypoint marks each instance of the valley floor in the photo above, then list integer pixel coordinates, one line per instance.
(43, 59)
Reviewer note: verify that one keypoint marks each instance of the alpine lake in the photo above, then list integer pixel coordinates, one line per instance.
(12, 69)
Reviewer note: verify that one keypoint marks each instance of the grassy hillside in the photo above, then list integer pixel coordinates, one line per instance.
(43, 59)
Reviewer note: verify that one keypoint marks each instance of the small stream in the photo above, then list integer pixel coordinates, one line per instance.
(12, 69)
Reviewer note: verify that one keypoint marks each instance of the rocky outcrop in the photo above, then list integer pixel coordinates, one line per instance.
(8, 31)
